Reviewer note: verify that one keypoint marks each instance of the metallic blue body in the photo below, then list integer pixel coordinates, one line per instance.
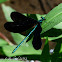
(28, 35)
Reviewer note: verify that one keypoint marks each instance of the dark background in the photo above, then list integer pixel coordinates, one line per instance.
(27, 6)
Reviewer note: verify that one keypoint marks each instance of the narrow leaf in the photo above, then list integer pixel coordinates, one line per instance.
(53, 18)
(56, 54)
(45, 56)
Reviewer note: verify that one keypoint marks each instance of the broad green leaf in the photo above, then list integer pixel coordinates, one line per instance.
(9, 60)
(22, 50)
(17, 37)
(45, 56)
(58, 26)
(3, 42)
(53, 18)
(1, 1)
(7, 11)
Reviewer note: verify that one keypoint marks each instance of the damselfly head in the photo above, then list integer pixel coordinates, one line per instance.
(43, 18)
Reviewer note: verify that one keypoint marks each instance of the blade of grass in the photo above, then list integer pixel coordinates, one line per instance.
(53, 18)
(45, 56)
(56, 55)
(53, 38)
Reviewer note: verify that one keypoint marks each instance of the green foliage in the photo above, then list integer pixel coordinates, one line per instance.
(23, 50)
(3, 42)
(56, 57)
(17, 37)
(7, 11)
(51, 27)
(45, 56)
(9, 60)
(1, 1)
(58, 26)
(53, 18)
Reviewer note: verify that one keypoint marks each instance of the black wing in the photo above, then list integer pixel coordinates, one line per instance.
(21, 23)
(16, 16)
(37, 39)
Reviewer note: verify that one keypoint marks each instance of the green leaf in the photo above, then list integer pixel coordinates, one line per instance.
(17, 37)
(52, 34)
(45, 56)
(1, 1)
(60, 49)
(7, 11)
(58, 26)
(22, 50)
(53, 38)
(9, 60)
(53, 18)
(3, 42)
(56, 54)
